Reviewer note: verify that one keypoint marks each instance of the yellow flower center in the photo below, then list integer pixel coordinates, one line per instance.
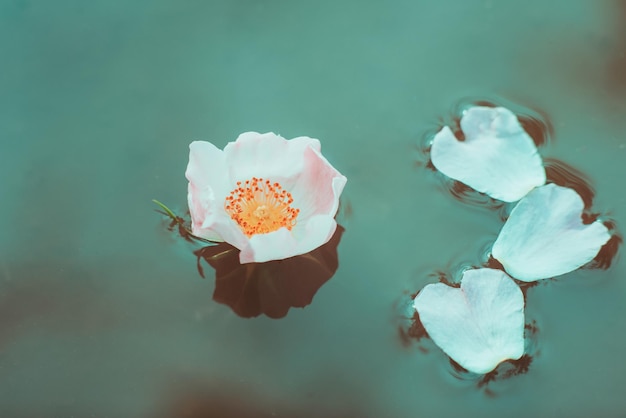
(260, 206)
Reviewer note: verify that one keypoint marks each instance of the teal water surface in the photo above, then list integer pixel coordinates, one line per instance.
(102, 310)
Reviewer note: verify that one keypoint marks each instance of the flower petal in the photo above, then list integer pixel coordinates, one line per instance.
(497, 157)
(228, 230)
(545, 237)
(268, 155)
(478, 325)
(317, 189)
(283, 243)
(208, 186)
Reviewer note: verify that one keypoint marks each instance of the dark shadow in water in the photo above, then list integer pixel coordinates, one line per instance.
(414, 333)
(505, 370)
(492, 263)
(270, 288)
(195, 398)
(563, 174)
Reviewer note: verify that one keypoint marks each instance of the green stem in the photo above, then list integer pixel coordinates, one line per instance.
(180, 222)
(166, 209)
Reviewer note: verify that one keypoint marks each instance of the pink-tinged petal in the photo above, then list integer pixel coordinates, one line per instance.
(497, 157)
(283, 243)
(268, 155)
(199, 208)
(545, 237)
(478, 325)
(208, 186)
(316, 191)
(229, 231)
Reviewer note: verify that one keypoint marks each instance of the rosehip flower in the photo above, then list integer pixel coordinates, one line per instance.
(269, 197)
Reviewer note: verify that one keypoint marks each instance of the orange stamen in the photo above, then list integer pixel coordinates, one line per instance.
(260, 206)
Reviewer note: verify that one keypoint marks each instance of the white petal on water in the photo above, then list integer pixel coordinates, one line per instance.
(545, 237)
(478, 325)
(497, 157)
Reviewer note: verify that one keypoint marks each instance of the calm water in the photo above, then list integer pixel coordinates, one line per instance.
(102, 310)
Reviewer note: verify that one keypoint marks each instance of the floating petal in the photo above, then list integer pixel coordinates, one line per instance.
(478, 325)
(497, 157)
(545, 236)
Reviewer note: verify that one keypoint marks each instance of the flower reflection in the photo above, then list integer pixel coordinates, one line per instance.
(270, 288)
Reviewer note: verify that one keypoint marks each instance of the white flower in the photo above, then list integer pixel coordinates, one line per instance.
(270, 197)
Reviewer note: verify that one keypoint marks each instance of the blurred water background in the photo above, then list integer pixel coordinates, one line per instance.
(102, 310)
